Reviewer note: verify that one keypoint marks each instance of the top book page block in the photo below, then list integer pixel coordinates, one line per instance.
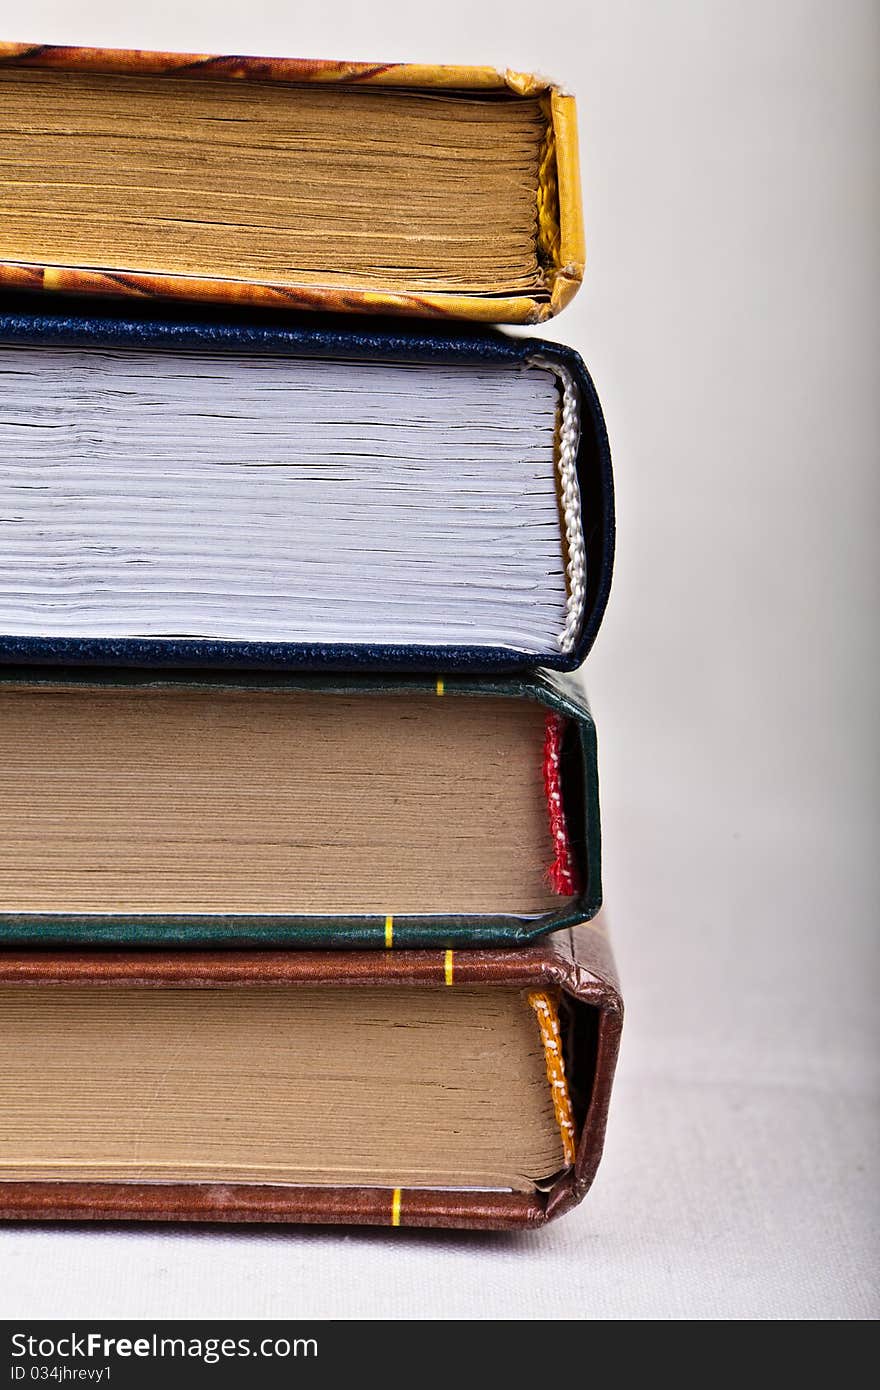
(438, 192)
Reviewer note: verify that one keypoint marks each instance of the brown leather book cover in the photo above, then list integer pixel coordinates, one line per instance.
(574, 967)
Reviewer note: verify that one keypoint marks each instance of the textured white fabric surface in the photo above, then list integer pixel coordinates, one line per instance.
(730, 319)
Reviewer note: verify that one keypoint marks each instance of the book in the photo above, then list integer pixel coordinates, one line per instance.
(194, 808)
(251, 494)
(435, 191)
(389, 1088)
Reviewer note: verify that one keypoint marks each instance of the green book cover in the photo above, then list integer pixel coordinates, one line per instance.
(199, 808)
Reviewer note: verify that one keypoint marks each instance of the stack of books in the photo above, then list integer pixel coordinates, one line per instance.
(299, 820)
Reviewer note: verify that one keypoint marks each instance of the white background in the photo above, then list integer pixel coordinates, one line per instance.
(730, 318)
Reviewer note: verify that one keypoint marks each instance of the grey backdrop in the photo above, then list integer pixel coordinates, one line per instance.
(730, 317)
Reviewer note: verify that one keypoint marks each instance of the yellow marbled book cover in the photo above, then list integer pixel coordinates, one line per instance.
(441, 192)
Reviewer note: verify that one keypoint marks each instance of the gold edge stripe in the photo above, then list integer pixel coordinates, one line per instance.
(395, 1206)
(389, 932)
(448, 967)
(441, 687)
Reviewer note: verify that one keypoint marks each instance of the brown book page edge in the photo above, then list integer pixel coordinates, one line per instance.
(562, 175)
(577, 962)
